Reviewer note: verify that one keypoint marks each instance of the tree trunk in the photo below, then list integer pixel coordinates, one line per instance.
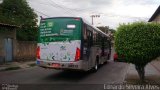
(141, 72)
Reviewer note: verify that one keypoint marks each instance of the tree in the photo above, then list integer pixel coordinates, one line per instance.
(138, 43)
(105, 29)
(19, 13)
(110, 32)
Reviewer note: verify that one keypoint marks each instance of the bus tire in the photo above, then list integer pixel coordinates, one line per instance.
(95, 68)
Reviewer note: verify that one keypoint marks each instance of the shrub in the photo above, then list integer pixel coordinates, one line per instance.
(138, 43)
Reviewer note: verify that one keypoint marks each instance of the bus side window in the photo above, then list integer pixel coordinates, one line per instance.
(99, 40)
(88, 41)
(102, 45)
(85, 33)
(85, 40)
(85, 36)
(90, 38)
(94, 38)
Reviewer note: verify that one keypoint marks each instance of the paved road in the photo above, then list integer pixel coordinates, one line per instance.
(111, 72)
(108, 73)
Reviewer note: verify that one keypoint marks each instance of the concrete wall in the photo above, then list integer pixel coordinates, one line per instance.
(24, 50)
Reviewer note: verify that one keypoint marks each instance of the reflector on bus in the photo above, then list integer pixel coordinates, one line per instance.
(38, 52)
(77, 56)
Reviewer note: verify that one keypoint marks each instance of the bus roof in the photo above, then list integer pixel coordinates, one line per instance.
(98, 30)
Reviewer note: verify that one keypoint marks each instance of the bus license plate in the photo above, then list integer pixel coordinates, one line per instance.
(56, 65)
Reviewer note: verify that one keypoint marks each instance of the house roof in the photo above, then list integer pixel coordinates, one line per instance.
(8, 25)
(155, 14)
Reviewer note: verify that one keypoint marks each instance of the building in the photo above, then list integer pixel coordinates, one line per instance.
(13, 50)
(156, 16)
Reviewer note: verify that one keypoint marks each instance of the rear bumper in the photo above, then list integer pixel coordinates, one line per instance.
(78, 65)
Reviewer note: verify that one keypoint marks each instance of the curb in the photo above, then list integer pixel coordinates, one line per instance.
(10, 68)
(124, 79)
(151, 75)
(17, 66)
(155, 67)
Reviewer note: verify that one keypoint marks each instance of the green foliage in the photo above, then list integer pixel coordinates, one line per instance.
(18, 12)
(110, 32)
(105, 29)
(138, 43)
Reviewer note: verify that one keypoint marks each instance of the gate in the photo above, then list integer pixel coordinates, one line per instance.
(8, 50)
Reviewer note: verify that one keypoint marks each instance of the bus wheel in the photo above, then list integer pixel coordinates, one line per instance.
(95, 68)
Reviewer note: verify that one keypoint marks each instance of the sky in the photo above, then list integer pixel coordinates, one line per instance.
(112, 12)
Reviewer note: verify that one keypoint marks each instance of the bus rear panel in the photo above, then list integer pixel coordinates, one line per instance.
(59, 43)
(71, 43)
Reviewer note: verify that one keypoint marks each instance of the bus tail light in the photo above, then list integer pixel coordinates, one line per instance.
(77, 56)
(38, 52)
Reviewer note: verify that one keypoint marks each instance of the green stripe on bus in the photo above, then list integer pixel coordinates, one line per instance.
(59, 29)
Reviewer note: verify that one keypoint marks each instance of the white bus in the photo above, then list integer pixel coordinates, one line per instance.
(69, 43)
